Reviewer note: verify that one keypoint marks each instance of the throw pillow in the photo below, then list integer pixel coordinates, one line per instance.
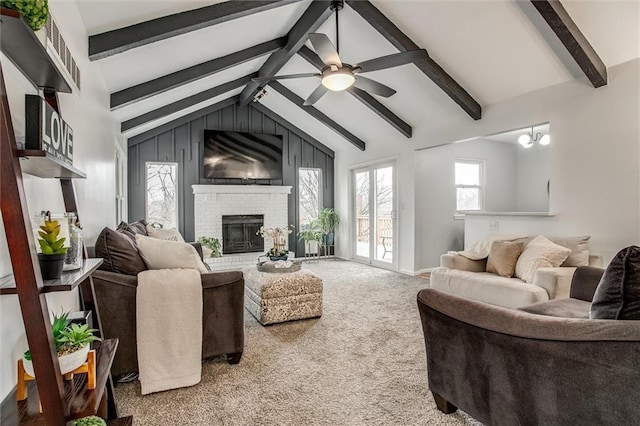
(164, 234)
(138, 227)
(539, 253)
(119, 253)
(618, 293)
(503, 257)
(164, 254)
(579, 249)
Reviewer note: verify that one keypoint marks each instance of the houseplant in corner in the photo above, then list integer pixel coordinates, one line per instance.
(329, 221)
(53, 251)
(72, 344)
(312, 236)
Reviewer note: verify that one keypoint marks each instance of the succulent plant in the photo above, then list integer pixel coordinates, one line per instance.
(89, 421)
(59, 324)
(76, 336)
(49, 241)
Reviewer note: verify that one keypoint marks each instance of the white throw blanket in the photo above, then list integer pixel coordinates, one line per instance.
(480, 249)
(169, 329)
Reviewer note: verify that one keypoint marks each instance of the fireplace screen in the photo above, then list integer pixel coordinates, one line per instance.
(239, 234)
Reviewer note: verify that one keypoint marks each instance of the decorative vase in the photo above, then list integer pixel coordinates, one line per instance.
(68, 362)
(51, 265)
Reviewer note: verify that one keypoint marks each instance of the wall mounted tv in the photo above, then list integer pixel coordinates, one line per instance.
(239, 155)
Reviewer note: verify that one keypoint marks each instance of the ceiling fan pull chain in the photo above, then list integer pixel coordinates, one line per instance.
(337, 33)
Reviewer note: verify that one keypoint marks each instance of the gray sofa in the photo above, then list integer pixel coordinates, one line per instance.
(508, 367)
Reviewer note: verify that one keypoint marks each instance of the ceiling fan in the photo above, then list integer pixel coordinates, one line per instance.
(337, 75)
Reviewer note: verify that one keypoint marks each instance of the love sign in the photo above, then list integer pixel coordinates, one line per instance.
(46, 130)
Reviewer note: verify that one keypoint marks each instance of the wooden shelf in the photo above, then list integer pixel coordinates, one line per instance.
(23, 48)
(80, 400)
(68, 280)
(42, 164)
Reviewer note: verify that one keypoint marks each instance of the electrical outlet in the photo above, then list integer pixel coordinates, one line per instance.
(493, 225)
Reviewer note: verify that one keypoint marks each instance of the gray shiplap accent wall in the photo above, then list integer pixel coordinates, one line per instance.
(181, 143)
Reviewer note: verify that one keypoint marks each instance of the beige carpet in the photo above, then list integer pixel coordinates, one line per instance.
(362, 363)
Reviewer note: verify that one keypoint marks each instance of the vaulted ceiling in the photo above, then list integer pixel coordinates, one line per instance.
(160, 61)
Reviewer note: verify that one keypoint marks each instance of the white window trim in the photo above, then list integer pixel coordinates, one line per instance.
(480, 187)
(177, 184)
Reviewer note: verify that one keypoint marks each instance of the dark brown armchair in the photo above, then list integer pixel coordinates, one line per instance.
(222, 319)
(508, 367)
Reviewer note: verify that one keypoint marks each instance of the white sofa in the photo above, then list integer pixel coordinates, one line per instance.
(467, 278)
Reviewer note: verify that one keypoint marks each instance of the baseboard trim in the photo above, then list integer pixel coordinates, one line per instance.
(408, 272)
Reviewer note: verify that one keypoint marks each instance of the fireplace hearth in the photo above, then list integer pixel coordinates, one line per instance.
(240, 233)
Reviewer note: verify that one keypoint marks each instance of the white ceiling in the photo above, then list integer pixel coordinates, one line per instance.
(496, 50)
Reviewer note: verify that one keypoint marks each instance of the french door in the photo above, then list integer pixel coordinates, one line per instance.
(374, 234)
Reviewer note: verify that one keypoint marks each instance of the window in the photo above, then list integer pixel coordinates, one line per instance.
(469, 180)
(162, 194)
(309, 194)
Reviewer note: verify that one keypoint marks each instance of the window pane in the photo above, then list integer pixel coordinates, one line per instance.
(467, 174)
(468, 199)
(362, 214)
(161, 194)
(309, 194)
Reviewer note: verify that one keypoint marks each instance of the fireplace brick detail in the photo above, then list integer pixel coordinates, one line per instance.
(214, 201)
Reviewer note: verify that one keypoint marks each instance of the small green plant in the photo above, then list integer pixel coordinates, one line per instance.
(59, 323)
(34, 12)
(310, 232)
(89, 421)
(49, 241)
(76, 336)
(212, 244)
(68, 337)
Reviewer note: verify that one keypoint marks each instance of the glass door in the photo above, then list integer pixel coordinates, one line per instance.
(374, 237)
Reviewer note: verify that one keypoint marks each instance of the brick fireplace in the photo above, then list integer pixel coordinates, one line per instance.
(212, 202)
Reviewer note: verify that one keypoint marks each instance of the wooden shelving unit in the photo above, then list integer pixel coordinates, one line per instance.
(61, 400)
(42, 164)
(82, 401)
(23, 48)
(68, 281)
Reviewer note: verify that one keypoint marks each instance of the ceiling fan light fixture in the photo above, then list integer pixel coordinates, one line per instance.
(545, 140)
(338, 80)
(524, 140)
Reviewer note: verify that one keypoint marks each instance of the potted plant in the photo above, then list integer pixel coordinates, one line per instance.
(34, 12)
(212, 244)
(279, 238)
(53, 251)
(312, 236)
(328, 220)
(89, 421)
(72, 344)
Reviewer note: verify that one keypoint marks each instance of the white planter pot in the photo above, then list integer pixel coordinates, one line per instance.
(68, 362)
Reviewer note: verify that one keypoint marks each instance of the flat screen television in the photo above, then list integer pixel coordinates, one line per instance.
(240, 155)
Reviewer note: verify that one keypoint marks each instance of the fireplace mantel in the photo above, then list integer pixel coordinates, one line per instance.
(241, 189)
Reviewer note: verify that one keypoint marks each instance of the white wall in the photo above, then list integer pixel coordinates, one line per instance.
(595, 161)
(436, 194)
(95, 133)
(534, 169)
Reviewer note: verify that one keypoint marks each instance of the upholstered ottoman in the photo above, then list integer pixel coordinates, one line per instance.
(278, 297)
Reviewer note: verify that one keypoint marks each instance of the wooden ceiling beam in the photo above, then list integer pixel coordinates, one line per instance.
(310, 21)
(171, 81)
(369, 101)
(120, 40)
(318, 115)
(429, 67)
(558, 19)
(185, 103)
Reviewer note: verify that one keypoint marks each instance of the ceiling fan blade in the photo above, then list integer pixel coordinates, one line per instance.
(390, 61)
(374, 87)
(285, 77)
(325, 49)
(316, 95)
